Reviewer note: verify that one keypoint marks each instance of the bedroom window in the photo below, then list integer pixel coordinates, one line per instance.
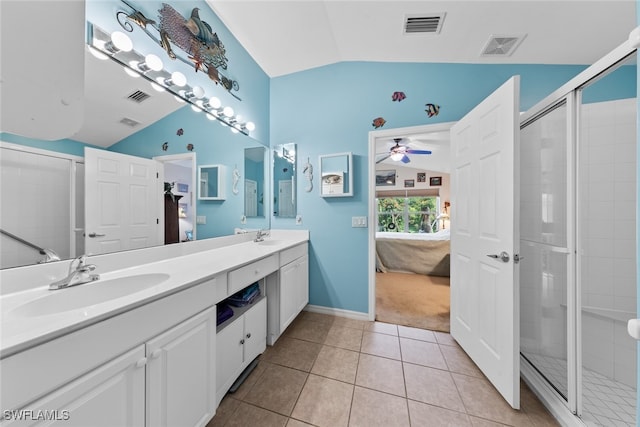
(407, 214)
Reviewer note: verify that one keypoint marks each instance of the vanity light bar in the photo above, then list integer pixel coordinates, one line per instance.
(150, 67)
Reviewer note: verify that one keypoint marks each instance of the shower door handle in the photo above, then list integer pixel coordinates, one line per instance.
(503, 256)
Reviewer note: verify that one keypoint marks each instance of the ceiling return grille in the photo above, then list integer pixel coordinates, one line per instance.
(138, 96)
(501, 45)
(431, 24)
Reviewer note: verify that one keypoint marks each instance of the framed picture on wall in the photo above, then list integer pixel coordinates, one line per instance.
(385, 178)
(435, 180)
(422, 177)
(409, 183)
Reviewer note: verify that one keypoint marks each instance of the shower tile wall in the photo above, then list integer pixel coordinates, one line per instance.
(35, 205)
(608, 253)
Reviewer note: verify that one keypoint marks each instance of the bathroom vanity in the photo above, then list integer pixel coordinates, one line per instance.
(154, 356)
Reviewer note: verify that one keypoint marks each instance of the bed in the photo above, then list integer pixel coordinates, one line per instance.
(421, 253)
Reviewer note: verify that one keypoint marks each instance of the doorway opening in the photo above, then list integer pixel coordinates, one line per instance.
(408, 238)
(180, 174)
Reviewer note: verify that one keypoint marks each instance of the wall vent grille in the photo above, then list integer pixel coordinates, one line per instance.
(138, 96)
(416, 24)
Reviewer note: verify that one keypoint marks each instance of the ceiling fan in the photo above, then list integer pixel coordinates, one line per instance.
(399, 152)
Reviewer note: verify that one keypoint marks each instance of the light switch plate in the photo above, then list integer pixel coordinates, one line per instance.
(201, 219)
(359, 221)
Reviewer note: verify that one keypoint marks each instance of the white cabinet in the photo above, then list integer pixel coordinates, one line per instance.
(239, 340)
(181, 374)
(294, 290)
(212, 182)
(167, 381)
(288, 292)
(111, 395)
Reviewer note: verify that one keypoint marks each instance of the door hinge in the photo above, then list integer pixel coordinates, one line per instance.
(157, 221)
(157, 175)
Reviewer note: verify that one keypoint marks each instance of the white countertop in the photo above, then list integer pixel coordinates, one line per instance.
(19, 332)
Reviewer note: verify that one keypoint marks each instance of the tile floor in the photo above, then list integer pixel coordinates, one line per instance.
(605, 402)
(332, 371)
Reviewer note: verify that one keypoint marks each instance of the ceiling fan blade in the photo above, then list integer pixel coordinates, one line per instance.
(419, 151)
(405, 159)
(383, 159)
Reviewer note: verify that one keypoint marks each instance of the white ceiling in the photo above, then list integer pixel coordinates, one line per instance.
(294, 35)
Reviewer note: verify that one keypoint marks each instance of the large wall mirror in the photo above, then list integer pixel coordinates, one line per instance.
(254, 179)
(284, 180)
(42, 208)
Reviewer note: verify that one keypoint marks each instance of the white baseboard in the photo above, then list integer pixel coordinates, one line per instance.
(337, 312)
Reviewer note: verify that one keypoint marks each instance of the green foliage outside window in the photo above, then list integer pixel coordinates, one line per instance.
(406, 214)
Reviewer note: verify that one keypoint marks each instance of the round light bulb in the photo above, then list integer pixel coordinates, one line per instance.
(215, 103)
(157, 87)
(153, 62)
(250, 126)
(121, 41)
(178, 79)
(234, 130)
(210, 116)
(197, 91)
(130, 72)
(95, 52)
(228, 111)
(180, 100)
(195, 108)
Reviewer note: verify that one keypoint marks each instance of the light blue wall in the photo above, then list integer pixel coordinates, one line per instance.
(330, 110)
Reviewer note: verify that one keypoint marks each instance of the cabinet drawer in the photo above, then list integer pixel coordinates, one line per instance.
(290, 254)
(244, 276)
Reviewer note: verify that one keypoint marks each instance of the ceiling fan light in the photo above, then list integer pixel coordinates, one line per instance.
(397, 156)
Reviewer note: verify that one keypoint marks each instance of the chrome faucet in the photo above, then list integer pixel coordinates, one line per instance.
(260, 235)
(78, 274)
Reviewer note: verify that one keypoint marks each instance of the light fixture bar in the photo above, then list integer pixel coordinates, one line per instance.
(175, 83)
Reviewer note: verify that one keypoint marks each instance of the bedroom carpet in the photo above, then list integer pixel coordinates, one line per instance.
(413, 300)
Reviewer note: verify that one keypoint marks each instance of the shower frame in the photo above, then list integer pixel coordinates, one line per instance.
(570, 94)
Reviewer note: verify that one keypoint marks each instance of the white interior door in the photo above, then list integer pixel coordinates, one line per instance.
(484, 238)
(285, 201)
(122, 202)
(250, 197)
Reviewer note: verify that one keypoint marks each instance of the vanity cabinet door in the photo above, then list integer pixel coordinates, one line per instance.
(181, 373)
(294, 290)
(110, 395)
(238, 343)
(255, 331)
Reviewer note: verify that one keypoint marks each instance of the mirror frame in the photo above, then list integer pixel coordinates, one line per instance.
(327, 189)
(221, 171)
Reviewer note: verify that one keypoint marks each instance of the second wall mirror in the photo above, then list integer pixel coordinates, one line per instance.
(336, 174)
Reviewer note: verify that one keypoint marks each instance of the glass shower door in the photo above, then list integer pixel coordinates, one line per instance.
(544, 245)
(607, 193)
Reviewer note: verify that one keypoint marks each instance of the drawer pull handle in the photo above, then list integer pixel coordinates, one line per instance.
(141, 362)
(249, 335)
(156, 353)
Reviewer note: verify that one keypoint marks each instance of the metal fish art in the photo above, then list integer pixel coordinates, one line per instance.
(378, 122)
(432, 109)
(398, 96)
(180, 132)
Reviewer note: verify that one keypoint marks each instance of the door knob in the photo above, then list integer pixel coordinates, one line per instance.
(504, 257)
(96, 235)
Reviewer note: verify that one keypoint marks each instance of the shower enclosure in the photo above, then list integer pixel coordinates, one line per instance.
(578, 239)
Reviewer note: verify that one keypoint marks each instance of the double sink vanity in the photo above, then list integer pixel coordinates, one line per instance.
(140, 346)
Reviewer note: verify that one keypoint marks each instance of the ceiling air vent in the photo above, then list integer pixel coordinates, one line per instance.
(423, 24)
(129, 122)
(138, 96)
(501, 45)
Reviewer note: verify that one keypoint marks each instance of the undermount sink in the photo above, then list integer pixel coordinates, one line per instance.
(89, 294)
(269, 242)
